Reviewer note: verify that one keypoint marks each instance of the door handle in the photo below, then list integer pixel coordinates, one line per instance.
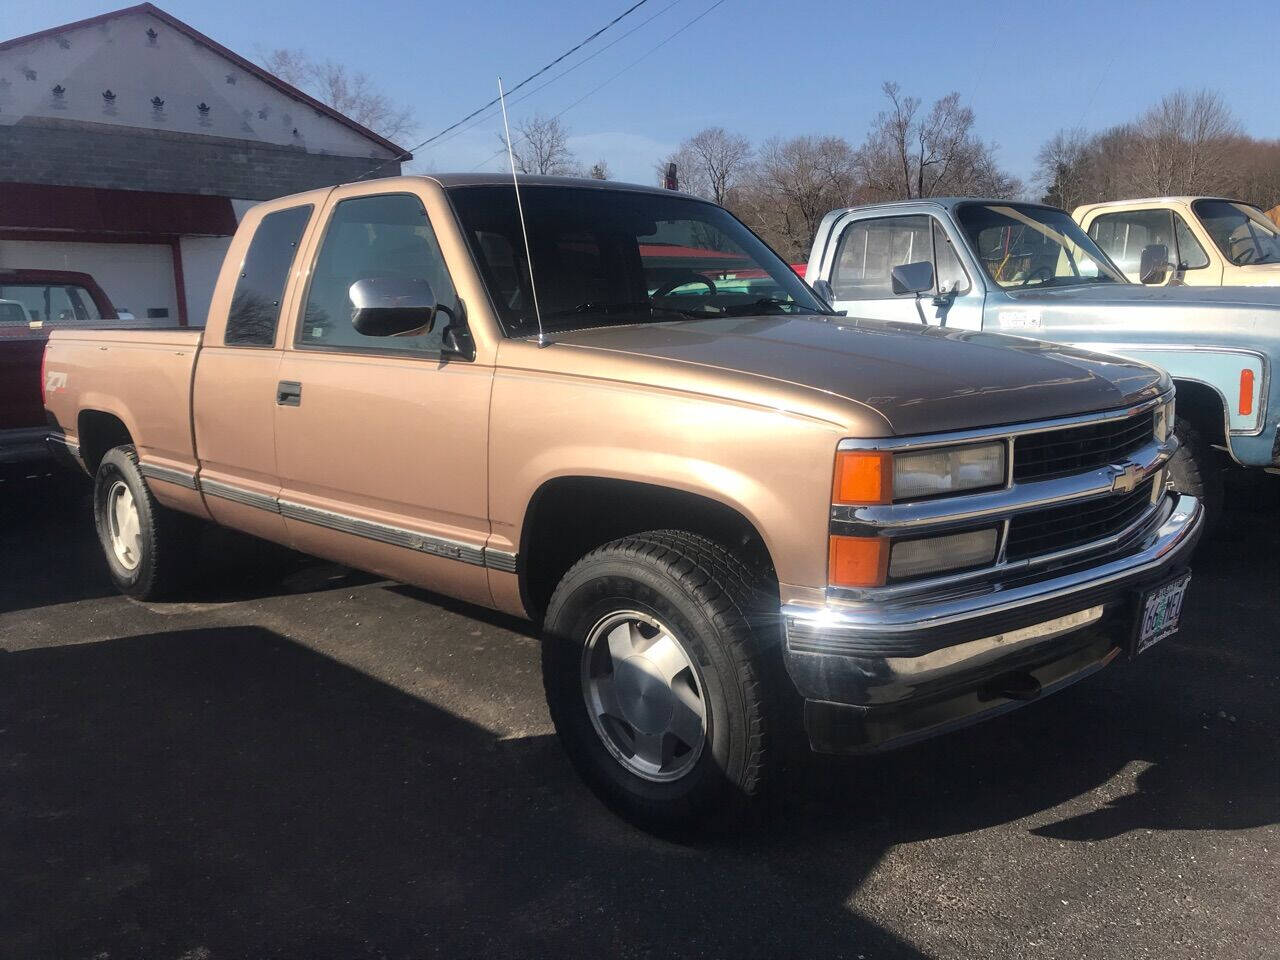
(289, 393)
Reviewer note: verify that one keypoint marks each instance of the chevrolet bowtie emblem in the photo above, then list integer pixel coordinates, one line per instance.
(1125, 477)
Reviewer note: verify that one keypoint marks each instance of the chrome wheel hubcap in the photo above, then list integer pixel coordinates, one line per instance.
(644, 695)
(123, 526)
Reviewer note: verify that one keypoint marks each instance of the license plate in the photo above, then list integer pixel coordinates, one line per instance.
(1159, 612)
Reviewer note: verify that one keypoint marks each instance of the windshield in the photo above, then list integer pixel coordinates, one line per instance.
(1243, 233)
(603, 258)
(1029, 246)
(26, 309)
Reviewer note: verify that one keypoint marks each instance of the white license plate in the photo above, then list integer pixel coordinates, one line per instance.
(1161, 609)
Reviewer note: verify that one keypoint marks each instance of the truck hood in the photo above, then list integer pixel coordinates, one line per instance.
(1135, 294)
(919, 379)
(1128, 314)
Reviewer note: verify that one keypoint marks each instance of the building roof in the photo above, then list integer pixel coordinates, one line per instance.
(248, 66)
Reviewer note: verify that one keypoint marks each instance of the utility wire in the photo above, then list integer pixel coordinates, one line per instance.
(532, 76)
(654, 49)
(546, 83)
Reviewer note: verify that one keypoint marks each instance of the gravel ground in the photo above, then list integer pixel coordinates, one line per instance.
(301, 761)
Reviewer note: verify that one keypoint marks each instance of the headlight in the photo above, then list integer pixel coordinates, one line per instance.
(955, 551)
(873, 561)
(1164, 420)
(867, 477)
(948, 470)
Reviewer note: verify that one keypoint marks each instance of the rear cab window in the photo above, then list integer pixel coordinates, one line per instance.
(255, 306)
(33, 309)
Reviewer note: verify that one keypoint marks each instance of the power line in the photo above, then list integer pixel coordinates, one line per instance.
(532, 76)
(654, 49)
(565, 73)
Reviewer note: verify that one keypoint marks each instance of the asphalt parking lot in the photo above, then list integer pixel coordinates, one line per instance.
(301, 761)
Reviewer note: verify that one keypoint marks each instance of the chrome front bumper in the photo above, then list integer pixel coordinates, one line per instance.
(880, 674)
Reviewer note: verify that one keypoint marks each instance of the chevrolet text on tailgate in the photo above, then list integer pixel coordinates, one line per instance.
(732, 510)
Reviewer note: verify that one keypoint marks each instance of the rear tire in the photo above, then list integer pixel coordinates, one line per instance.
(644, 636)
(148, 548)
(1197, 470)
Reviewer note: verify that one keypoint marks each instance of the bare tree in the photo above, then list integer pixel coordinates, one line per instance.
(710, 164)
(1184, 143)
(541, 145)
(349, 92)
(600, 171)
(913, 154)
(1187, 143)
(1062, 168)
(794, 184)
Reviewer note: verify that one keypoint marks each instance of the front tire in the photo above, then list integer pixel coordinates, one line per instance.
(147, 546)
(1196, 469)
(653, 664)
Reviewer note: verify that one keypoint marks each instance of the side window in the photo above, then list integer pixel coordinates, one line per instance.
(870, 249)
(1123, 235)
(255, 305)
(387, 235)
(1191, 255)
(948, 272)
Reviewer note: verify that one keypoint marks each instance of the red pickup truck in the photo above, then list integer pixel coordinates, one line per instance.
(32, 302)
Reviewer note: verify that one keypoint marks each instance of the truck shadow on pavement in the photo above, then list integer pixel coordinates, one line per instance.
(227, 792)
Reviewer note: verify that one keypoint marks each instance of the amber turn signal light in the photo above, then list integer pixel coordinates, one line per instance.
(863, 477)
(859, 561)
(1246, 393)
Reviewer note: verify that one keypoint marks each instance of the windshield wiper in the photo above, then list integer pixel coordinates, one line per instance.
(609, 309)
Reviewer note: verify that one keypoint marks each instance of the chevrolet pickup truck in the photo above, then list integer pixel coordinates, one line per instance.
(1197, 241)
(1029, 270)
(32, 303)
(735, 514)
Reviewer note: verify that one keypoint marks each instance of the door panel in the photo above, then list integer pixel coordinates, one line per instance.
(235, 436)
(395, 443)
(381, 442)
(869, 249)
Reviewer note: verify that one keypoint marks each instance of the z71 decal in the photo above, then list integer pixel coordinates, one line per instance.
(54, 380)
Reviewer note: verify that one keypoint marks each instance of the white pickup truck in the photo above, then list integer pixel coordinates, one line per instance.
(1207, 241)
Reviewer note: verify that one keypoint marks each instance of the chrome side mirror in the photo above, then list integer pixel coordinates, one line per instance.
(912, 278)
(392, 306)
(1154, 265)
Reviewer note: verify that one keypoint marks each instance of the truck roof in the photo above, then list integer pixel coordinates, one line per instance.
(946, 203)
(504, 179)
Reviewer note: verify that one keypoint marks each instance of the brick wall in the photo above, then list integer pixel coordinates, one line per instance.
(71, 153)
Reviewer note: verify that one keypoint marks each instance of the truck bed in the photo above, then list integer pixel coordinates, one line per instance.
(124, 374)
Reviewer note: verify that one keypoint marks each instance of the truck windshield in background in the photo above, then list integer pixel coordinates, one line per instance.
(30, 309)
(1030, 246)
(1243, 233)
(635, 258)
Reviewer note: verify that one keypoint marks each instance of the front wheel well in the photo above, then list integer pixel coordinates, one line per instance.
(99, 432)
(570, 516)
(1203, 407)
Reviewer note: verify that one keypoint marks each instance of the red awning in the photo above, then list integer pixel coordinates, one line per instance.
(140, 213)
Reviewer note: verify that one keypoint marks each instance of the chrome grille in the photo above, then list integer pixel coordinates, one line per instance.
(1075, 524)
(1056, 453)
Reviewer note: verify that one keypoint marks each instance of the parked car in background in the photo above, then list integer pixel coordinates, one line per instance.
(1026, 269)
(733, 512)
(33, 302)
(1198, 241)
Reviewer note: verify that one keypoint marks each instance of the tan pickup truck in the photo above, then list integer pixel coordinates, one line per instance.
(735, 512)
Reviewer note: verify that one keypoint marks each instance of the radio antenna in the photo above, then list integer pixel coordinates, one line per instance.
(528, 254)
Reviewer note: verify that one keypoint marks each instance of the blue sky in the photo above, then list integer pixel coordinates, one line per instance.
(757, 67)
